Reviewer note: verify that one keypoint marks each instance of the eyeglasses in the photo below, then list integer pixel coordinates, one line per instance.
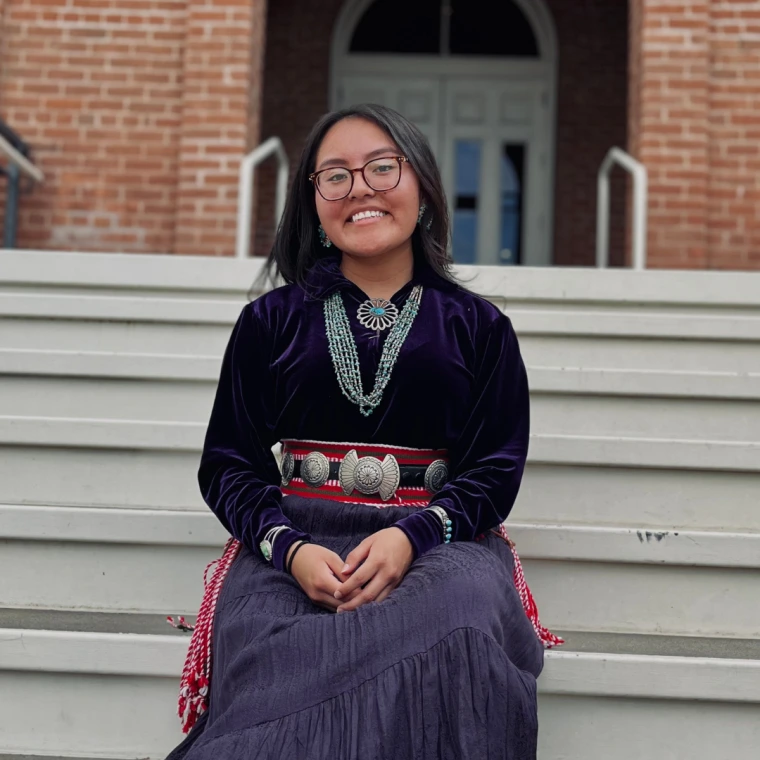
(380, 174)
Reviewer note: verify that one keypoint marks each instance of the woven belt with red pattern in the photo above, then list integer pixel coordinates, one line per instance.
(363, 473)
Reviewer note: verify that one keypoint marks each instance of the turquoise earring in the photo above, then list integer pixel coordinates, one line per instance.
(423, 209)
(326, 242)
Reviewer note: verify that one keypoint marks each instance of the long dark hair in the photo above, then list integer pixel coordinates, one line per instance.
(297, 247)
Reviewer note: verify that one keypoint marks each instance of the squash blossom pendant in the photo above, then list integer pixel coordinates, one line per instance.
(377, 314)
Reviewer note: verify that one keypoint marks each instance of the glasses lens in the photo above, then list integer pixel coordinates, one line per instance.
(383, 174)
(334, 183)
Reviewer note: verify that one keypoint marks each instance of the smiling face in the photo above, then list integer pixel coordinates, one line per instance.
(367, 222)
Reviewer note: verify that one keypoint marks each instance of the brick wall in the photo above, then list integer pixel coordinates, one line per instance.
(733, 233)
(591, 108)
(591, 118)
(138, 111)
(296, 81)
(696, 126)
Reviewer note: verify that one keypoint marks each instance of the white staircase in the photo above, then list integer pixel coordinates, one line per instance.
(638, 521)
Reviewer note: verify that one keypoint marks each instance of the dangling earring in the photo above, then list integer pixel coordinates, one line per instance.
(423, 209)
(326, 242)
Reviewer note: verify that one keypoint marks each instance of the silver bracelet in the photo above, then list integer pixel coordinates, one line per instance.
(267, 545)
(443, 516)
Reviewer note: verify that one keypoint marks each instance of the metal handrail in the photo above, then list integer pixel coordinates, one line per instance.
(272, 146)
(639, 228)
(18, 164)
(20, 160)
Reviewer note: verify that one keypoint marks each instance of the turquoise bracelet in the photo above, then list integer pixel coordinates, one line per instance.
(267, 545)
(443, 516)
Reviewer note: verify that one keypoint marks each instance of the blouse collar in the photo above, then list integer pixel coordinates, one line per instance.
(325, 277)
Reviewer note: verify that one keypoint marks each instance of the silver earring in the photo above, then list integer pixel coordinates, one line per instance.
(326, 242)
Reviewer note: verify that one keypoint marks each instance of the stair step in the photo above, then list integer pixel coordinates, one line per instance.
(602, 695)
(102, 385)
(654, 645)
(89, 622)
(585, 577)
(47, 757)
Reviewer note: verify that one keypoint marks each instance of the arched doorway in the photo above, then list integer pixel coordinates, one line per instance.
(480, 80)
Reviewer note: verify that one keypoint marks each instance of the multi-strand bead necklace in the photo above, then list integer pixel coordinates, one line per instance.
(346, 358)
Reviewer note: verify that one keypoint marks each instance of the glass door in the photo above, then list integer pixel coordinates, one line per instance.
(488, 161)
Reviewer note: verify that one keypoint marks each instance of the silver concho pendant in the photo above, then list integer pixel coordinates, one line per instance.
(377, 314)
(369, 475)
(315, 469)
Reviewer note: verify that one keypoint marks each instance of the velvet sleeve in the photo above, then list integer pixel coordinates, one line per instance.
(489, 456)
(238, 474)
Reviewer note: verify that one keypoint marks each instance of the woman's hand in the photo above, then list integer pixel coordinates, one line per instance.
(387, 556)
(318, 572)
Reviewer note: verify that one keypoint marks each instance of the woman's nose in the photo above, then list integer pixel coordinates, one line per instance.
(360, 188)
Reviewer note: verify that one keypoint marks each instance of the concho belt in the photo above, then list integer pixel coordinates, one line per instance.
(321, 465)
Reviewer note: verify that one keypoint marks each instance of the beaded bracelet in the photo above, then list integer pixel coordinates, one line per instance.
(267, 545)
(443, 516)
(289, 567)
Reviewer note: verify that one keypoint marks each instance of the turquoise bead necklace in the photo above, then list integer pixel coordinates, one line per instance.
(346, 358)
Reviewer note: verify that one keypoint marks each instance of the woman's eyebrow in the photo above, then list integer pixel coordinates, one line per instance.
(387, 151)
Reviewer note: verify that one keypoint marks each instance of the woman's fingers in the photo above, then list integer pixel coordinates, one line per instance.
(326, 601)
(357, 556)
(336, 564)
(369, 594)
(362, 576)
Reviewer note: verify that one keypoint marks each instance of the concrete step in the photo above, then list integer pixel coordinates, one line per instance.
(141, 435)
(93, 678)
(96, 385)
(570, 478)
(556, 337)
(3, 756)
(214, 277)
(668, 321)
(629, 579)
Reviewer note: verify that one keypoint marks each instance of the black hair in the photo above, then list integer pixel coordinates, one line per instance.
(297, 246)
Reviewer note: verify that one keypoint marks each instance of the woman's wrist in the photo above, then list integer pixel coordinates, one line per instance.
(423, 529)
(291, 554)
(279, 545)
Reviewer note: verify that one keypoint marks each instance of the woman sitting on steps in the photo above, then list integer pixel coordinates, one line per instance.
(369, 604)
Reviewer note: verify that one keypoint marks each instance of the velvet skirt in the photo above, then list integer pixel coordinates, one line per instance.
(445, 667)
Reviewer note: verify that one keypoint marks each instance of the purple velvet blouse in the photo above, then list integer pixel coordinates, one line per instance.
(459, 384)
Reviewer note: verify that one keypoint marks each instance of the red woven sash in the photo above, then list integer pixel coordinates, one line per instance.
(404, 496)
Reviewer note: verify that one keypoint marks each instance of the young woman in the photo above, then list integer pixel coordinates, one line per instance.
(369, 604)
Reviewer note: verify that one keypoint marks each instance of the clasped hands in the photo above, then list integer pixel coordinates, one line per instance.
(371, 571)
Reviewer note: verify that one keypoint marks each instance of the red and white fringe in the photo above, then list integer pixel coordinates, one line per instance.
(196, 675)
(546, 637)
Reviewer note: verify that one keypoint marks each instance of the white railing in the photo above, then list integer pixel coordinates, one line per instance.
(639, 228)
(272, 146)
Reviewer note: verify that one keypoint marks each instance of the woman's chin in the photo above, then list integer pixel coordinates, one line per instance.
(369, 247)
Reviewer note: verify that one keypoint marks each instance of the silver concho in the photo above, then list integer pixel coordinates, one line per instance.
(377, 314)
(288, 466)
(315, 469)
(369, 475)
(436, 475)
